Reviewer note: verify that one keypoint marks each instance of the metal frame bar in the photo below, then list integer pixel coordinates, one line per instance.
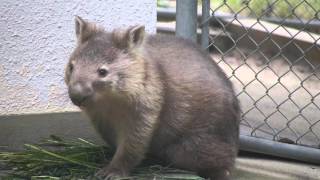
(205, 23)
(186, 19)
(290, 151)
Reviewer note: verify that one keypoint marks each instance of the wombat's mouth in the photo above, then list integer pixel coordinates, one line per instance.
(80, 101)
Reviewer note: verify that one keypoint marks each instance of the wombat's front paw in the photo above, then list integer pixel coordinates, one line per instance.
(107, 174)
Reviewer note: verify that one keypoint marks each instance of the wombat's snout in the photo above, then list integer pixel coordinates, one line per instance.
(79, 93)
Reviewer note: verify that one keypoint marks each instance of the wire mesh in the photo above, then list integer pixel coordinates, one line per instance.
(273, 63)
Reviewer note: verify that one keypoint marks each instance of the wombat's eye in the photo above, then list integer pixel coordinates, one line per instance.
(102, 72)
(70, 67)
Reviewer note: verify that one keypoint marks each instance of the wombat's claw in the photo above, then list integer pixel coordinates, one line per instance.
(104, 174)
(112, 177)
(100, 173)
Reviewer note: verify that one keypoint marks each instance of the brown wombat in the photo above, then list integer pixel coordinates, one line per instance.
(154, 96)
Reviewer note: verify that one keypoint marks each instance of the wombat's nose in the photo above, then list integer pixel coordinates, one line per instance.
(79, 93)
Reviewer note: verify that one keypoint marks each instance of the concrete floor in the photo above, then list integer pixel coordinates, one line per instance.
(17, 130)
(259, 167)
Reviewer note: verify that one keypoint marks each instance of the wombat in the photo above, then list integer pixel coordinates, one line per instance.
(154, 96)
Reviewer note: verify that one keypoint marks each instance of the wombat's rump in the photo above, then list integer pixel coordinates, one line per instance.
(153, 95)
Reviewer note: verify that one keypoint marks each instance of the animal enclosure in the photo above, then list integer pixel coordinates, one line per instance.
(275, 69)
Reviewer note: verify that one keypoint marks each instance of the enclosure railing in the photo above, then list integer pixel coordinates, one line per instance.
(274, 65)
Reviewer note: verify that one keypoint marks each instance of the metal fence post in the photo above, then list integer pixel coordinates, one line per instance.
(186, 19)
(205, 23)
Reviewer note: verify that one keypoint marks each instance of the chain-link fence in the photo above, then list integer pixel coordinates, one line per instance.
(272, 56)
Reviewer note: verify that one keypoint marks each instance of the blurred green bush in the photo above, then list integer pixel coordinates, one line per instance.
(302, 9)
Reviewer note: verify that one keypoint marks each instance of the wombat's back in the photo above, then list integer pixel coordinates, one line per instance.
(184, 61)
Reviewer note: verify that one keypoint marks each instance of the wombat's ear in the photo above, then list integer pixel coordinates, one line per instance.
(84, 29)
(128, 38)
(136, 36)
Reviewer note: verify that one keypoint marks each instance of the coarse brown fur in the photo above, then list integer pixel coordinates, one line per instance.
(154, 96)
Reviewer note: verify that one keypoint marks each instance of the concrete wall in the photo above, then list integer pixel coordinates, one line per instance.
(36, 39)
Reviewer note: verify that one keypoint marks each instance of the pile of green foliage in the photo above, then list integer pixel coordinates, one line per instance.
(56, 158)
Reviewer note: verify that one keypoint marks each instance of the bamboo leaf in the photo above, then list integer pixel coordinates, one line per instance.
(60, 157)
